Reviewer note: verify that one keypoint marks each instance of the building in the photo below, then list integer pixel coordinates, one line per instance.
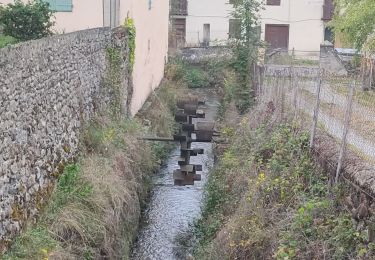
(299, 25)
(286, 24)
(151, 41)
(199, 22)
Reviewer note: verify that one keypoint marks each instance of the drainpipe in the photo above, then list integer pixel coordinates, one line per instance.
(114, 15)
(289, 21)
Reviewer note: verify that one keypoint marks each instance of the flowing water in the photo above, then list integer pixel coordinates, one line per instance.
(172, 209)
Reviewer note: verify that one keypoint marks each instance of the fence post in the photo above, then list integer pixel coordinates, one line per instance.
(348, 114)
(371, 73)
(293, 85)
(316, 111)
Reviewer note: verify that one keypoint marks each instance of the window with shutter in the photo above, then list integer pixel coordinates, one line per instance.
(273, 2)
(234, 28)
(60, 5)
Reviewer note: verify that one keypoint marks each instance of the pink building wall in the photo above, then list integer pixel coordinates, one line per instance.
(151, 41)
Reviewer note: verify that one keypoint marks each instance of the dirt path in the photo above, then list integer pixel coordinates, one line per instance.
(329, 96)
(332, 121)
(335, 128)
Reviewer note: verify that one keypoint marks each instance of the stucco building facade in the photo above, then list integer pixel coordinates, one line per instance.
(299, 25)
(287, 24)
(151, 41)
(199, 22)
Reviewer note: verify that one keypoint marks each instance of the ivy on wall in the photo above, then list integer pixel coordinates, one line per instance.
(114, 79)
(129, 25)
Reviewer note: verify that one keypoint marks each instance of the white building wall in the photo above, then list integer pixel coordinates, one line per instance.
(304, 17)
(213, 12)
(151, 41)
(306, 29)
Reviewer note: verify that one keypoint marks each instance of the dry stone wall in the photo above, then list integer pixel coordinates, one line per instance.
(49, 89)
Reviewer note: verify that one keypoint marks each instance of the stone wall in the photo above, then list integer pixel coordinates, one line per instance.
(288, 71)
(49, 89)
(330, 62)
(199, 55)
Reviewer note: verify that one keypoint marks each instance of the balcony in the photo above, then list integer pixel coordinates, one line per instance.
(328, 10)
(179, 7)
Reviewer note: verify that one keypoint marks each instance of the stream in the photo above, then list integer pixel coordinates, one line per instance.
(172, 209)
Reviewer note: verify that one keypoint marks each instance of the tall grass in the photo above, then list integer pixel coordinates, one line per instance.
(268, 199)
(94, 210)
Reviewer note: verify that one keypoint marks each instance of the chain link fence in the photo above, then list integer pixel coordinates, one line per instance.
(319, 101)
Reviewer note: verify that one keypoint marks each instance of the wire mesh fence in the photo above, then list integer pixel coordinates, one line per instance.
(321, 101)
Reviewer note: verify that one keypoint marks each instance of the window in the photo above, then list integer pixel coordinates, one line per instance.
(179, 7)
(206, 34)
(234, 28)
(328, 35)
(273, 2)
(111, 13)
(60, 5)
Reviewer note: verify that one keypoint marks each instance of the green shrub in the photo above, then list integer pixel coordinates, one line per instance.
(26, 21)
(267, 199)
(35, 243)
(7, 40)
(196, 78)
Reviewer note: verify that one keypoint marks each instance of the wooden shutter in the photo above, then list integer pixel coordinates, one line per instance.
(328, 10)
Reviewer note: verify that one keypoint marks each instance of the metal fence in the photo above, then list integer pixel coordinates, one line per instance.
(317, 100)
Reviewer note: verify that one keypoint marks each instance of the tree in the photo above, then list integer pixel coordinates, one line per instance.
(245, 48)
(26, 21)
(355, 22)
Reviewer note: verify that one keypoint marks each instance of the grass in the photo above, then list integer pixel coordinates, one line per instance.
(284, 59)
(307, 62)
(365, 98)
(7, 40)
(95, 207)
(268, 199)
(94, 210)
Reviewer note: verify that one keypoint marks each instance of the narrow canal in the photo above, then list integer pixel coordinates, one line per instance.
(173, 208)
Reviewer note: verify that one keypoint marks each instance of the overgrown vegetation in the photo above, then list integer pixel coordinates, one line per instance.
(218, 74)
(354, 22)
(245, 50)
(129, 25)
(95, 208)
(113, 80)
(268, 199)
(204, 75)
(26, 21)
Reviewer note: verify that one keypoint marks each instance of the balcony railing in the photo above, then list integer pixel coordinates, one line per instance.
(179, 7)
